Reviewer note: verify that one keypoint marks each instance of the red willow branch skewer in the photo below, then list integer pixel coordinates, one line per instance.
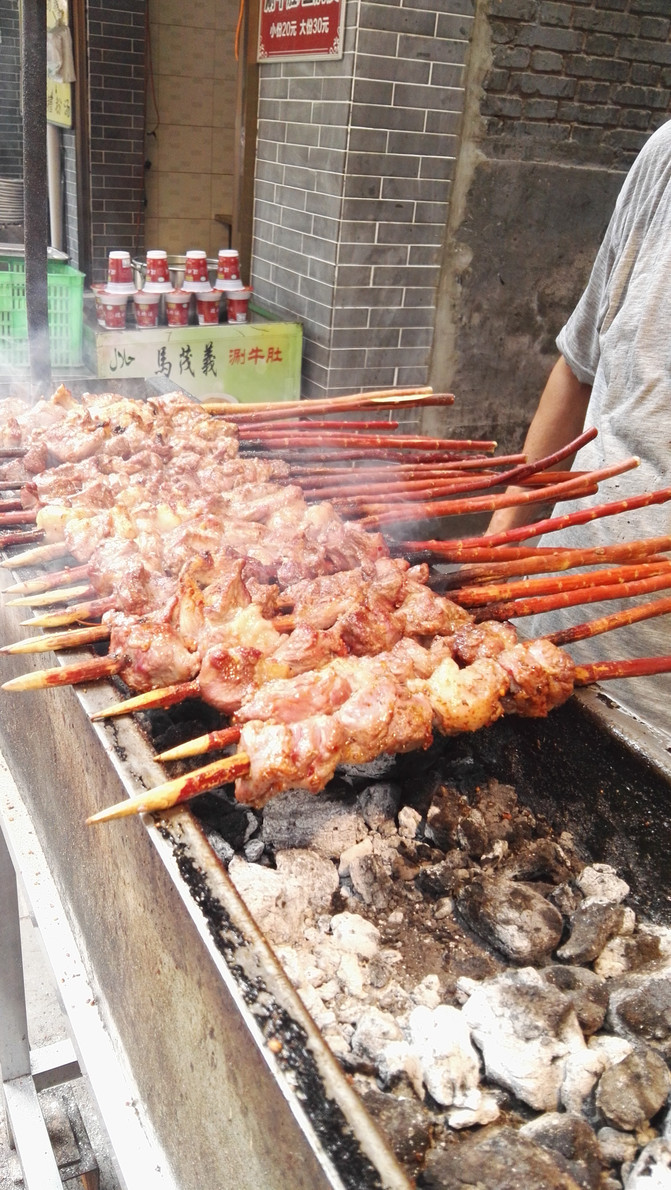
(280, 411)
(329, 472)
(456, 547)
(423, 490)
(166, 696)
(399, 442)
(551, 584)
(35, 557)
(20, 537)
(586, 485)
(213, 741)
(90, 670)
(547, 560)
(25, 516)
(605, 671)
(47, 582)
(514, 609)
(632, 615)
(53, 642)
(316, 426)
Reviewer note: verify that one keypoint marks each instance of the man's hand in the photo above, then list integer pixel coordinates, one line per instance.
(559, 418)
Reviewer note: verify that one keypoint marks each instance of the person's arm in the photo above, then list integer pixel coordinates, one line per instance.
(559, 418)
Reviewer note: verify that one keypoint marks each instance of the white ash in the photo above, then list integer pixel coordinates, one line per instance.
(652, 1170)
(435, 1018)
(601, 883)
(526, 1030)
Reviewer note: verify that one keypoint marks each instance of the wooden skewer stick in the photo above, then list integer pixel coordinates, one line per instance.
(398, 442)
(10, 505)
(167, 696)
(632, 615)
(58, 595)
(11, 485)
(164, 797)
(551, 584)
(605, 671)
(516, 608)
(66, 675)
(13, 452)
(51, 642)
(47, 582)
(79, 613)
(38, 556)
(212, 742)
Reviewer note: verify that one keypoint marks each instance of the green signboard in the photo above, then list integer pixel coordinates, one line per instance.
(253, 361)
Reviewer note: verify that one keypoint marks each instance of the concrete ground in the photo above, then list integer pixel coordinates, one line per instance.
(46, 1024)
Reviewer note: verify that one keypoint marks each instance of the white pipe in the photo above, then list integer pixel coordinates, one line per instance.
(55, 191)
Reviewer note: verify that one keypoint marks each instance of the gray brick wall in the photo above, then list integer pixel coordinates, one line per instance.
(11, 132)
(354, 166)
(116, 50)
(581, 82)
(70, 197)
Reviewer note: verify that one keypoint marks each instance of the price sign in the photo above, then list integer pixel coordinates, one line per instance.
(301, 29)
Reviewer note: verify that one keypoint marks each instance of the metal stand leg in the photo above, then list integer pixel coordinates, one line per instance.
(25, 1123)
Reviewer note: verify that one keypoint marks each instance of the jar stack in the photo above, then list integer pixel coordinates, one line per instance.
(197, 300)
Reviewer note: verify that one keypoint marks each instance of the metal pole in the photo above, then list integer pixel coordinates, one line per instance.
(35, 218)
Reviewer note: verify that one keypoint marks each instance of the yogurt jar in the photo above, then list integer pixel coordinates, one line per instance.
(158, 273)
(114, 309)
(228, 269)
(177, 304)
(97, 290)
(145, 308)
(196, 275)
(207, 306)
(120, 273)
(237, 304)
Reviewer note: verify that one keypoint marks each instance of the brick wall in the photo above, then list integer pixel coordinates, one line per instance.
(354, 166)
(580, 82)
(116, 52)
(11, 135)
(70, 220)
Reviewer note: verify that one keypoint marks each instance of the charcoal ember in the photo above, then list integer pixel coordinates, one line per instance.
(634, 1090)
(540, 859)
(374, 1032)
(592, 925)
(227, 818)
(472, 834)
(442, 818)
(404, 868)
(514, 918)
(325, 825)
(623, 955)
(566, 897)
(448, 875)
(652, 1170)
(644, 1012)
(402, 1120)
(572, 1137)
(379, 804)
(525, 1030)
(496, 1159)
(587, 993)
(616, 1147)
(409, 822)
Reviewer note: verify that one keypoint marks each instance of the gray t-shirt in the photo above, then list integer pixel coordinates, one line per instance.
(618, 339)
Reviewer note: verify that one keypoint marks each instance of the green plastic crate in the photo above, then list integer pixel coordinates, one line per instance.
(65, 291)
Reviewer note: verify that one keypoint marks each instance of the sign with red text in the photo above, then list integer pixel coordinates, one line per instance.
(301, 29)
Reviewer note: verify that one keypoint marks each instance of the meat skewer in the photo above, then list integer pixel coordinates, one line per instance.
(239, 766)
(535, 605)
(631, 615)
